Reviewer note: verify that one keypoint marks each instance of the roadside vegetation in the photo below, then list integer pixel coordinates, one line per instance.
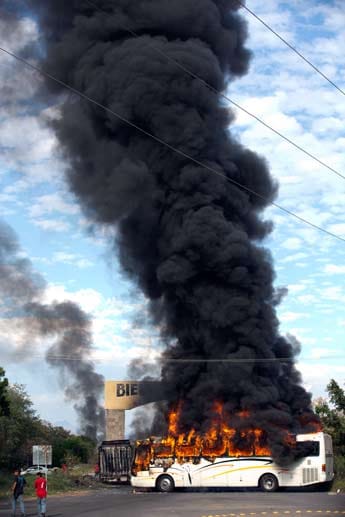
(332, 414)
(21, 428)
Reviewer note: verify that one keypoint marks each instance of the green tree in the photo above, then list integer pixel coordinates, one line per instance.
(336, 396)
(18, 430)
(80, 447)
(56, 437)
(22, 428)
(4, 403)
(332, 415)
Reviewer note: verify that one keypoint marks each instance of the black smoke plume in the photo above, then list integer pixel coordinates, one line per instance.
(190, 239)
(64, 326)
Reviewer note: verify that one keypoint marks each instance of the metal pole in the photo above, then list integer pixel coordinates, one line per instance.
(46, 453)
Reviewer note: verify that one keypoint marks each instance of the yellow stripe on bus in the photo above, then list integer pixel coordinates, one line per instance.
(237, 470)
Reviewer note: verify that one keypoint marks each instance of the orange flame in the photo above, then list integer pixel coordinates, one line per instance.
(218, 440)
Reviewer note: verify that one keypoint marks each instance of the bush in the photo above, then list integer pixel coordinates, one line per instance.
(339, 467)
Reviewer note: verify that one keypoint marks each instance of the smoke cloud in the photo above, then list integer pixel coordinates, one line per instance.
(65, 326)
(190, 239)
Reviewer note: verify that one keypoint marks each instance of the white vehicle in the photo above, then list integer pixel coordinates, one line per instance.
(34, 470)
(252, 471)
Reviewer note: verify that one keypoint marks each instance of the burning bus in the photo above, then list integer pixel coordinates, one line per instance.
(228, 457)
(165, 467)
(164, 464)
(224, 455)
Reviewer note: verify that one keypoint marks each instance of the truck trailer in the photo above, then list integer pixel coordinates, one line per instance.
(115, 460)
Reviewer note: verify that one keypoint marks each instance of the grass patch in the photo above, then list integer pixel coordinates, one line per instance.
(339, 484)
(339, 469)
(58, 482)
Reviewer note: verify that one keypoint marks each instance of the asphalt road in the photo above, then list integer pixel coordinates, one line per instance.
(123, 502)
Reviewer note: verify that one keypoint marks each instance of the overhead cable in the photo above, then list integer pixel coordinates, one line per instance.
(166, 144)
(224, 96)
(65, 357)
(291, 47)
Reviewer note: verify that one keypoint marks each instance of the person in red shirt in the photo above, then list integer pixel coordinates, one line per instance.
(41, 492)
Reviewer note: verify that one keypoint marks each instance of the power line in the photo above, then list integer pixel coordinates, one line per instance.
(224, 96)
(291, 47)
(166, 144)
(250, 360)
(64, 357)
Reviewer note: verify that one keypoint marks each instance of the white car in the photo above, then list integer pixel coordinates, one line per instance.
(34, 470)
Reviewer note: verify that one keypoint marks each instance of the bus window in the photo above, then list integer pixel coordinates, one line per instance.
(309, 448)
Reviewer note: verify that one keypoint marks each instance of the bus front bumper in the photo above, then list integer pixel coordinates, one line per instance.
(143, 481)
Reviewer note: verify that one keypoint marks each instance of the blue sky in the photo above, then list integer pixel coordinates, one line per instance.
(79, 262)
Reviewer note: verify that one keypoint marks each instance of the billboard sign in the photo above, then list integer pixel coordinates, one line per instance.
(121, 394)
(42, 455)
(131, 394)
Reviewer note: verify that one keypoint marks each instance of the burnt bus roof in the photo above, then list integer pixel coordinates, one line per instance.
(115, 442)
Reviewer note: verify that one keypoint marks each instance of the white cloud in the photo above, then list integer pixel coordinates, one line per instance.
(26, 141)
(296, 288)
(55, 225)
(284, 91)
(89, 299)
(300, 331)
(307, 299)
(289, 316)
(334, 269)
(334, 293)
(14, 336)
(125, 354)
(51, 203)
(295, 257)
(292, 243)
(323, 352)
(18, 35)
(112, 327)
(72, 259)
(317, 374)
(326, 125)
(338, 228)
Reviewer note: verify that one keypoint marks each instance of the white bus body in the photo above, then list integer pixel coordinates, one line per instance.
(250, 471)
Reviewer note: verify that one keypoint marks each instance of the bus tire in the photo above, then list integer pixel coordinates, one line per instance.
(269, 483)
(165, 483)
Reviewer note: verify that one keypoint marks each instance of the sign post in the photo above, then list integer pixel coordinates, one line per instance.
(120, 396)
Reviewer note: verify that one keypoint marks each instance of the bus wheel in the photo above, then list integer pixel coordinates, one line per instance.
(165, 484)
(268, 483)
